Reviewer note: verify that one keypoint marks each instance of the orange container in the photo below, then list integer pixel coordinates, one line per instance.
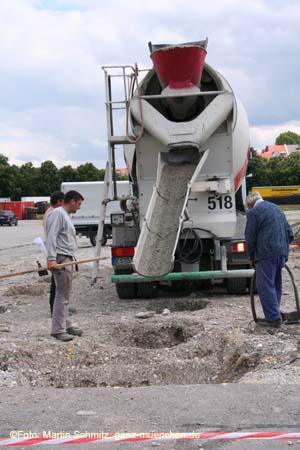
(18, 208)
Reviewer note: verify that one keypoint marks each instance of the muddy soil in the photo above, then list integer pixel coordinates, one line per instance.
(204, 337)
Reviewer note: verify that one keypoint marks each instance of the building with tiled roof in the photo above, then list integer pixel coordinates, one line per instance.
(122, 171)
(275, 151)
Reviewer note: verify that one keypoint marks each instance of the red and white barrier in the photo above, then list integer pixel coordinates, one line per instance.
(83, 438)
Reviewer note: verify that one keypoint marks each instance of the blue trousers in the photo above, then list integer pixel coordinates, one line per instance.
(269, 285)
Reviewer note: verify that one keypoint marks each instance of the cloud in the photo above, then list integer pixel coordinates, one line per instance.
(268, 133)
(64, 135)
(52, 51)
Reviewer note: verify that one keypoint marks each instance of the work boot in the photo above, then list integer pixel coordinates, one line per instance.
(269, 323)
(74, 331)
(64, 337)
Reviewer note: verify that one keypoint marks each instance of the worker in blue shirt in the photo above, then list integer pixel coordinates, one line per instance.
(268, 235)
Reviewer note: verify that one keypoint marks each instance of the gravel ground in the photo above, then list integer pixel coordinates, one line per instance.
(206, 337)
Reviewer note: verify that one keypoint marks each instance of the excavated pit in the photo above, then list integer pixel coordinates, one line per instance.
(178, 304)
(216, 344)
(135, 354)
(154, 336)
(200, 338)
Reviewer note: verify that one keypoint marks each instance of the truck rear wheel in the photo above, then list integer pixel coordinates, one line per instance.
(93, 239)
(126, 291)
(147, 290)
(237, 286)
(104, 240)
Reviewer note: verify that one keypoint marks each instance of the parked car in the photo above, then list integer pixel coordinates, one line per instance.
(8, 218)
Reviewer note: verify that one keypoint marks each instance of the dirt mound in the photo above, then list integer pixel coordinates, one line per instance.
(31, 290)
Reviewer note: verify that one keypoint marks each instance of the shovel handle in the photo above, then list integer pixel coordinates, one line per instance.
(79, 261)
(58, 266)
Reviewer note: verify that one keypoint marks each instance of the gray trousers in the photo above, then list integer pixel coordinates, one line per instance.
(63, 283)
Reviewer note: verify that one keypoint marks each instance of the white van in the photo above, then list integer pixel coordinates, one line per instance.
(86, 220)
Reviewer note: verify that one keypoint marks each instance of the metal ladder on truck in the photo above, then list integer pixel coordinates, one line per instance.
(123, 78)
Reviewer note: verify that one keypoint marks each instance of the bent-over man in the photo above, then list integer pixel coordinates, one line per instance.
(268, 235)
(61, 246)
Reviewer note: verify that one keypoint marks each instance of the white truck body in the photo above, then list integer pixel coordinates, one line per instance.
(86, 220)
(187, 166)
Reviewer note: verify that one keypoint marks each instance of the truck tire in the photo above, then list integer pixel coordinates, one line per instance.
(237, 286)
(147, 290)
(125, 291)
(93, 239)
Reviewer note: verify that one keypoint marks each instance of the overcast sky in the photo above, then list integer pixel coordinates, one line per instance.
(51, 52)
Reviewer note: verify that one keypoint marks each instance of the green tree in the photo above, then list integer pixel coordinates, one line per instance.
(27, 180)
(258, 168)
(292, 169)
(68, 174)
(101, 174)
(8, 176)
(288, 137)
(88, 172)
(15, 190)
(3, 160)
(49, 178)
(275, 171)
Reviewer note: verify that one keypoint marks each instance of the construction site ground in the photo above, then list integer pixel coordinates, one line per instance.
(185, 338)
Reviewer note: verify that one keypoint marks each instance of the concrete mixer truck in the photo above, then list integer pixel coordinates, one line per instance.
(186, 149)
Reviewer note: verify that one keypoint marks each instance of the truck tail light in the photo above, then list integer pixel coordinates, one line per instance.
(239, 247)
(122, 251)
